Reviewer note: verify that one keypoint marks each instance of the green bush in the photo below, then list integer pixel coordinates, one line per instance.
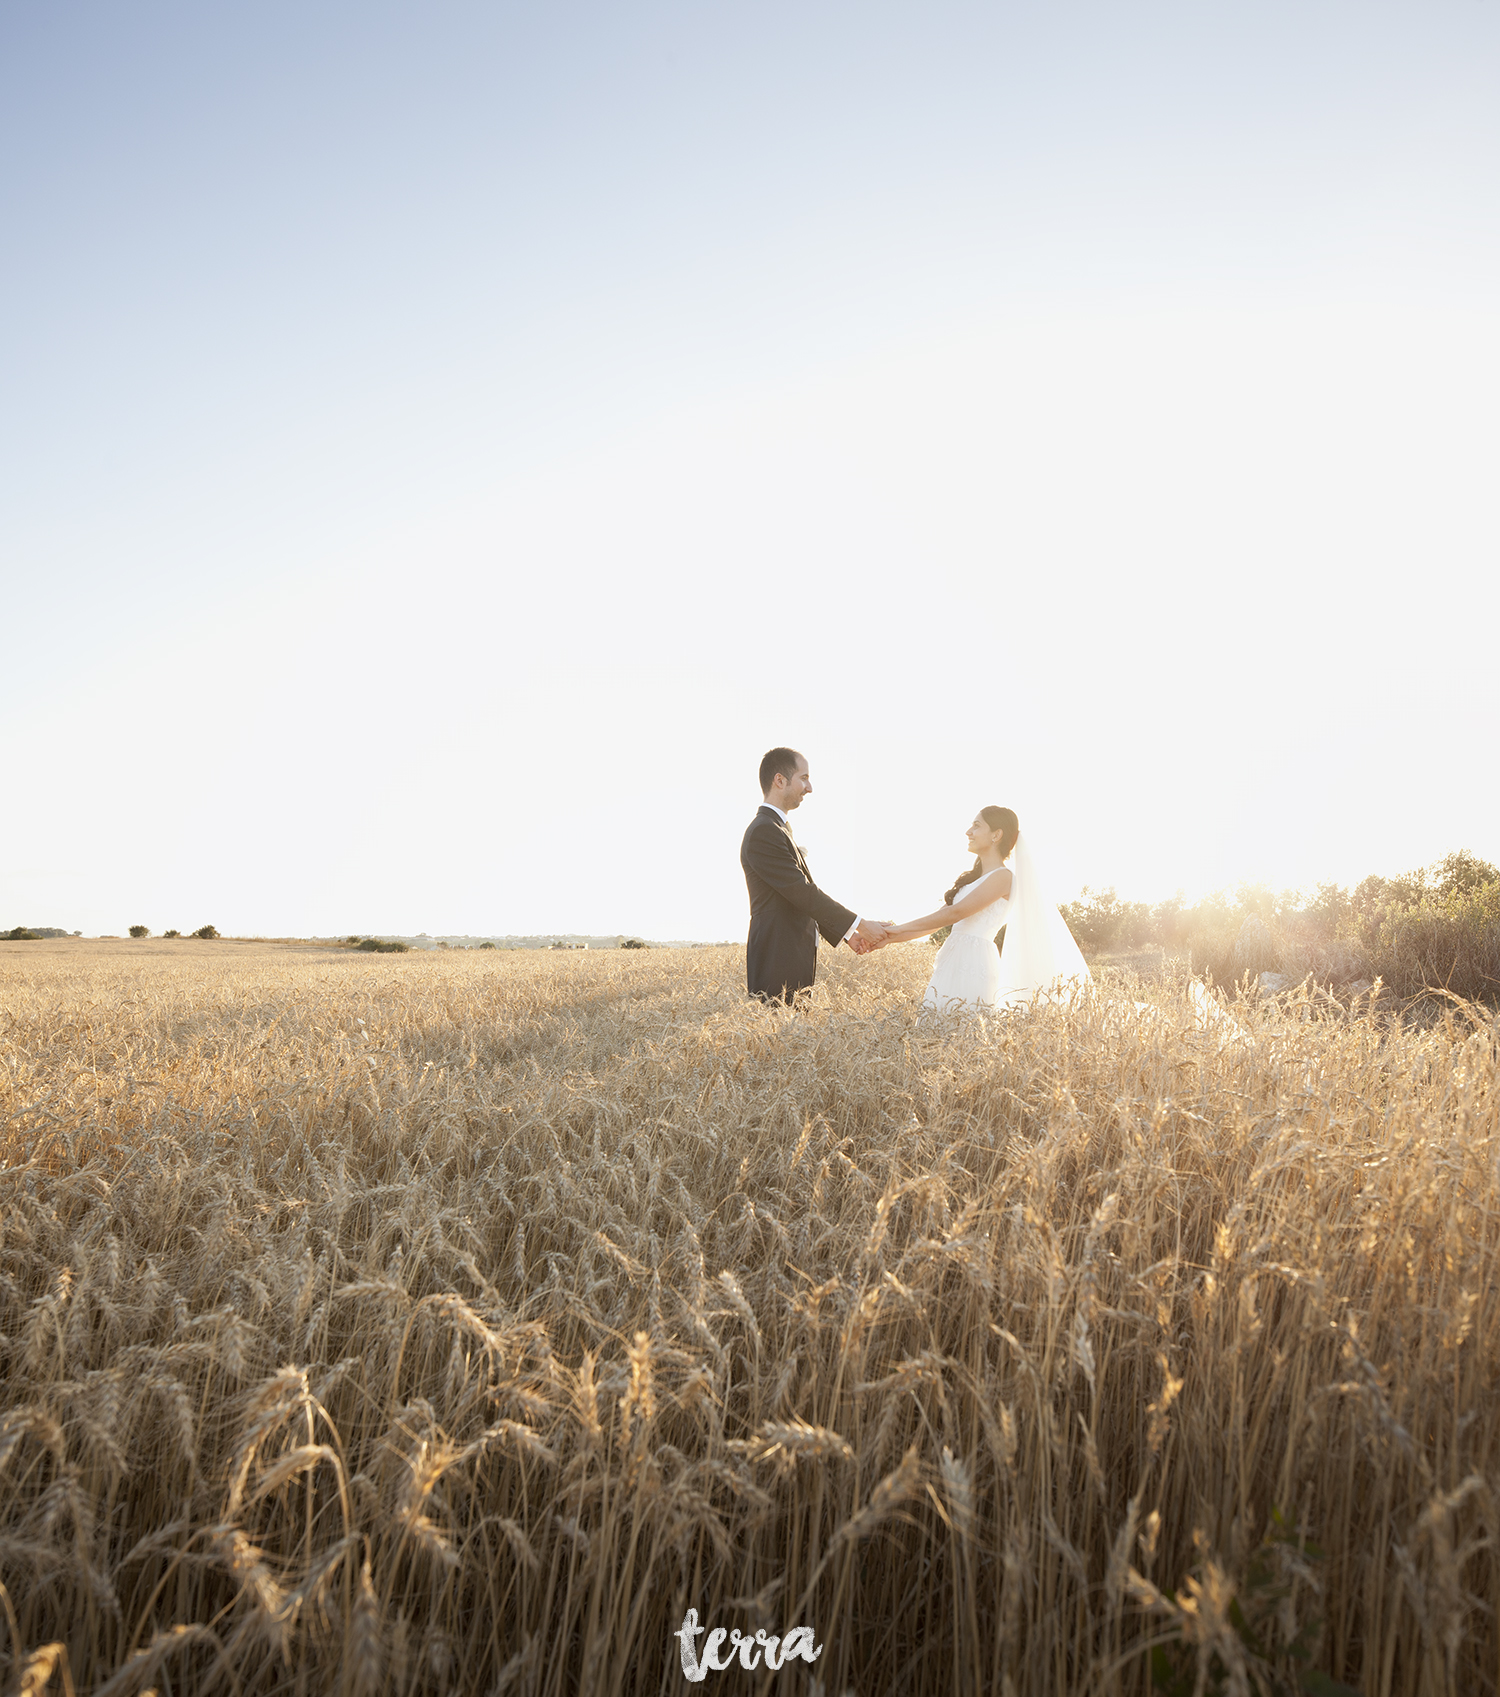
(205, 931)
(140, 931)
(1435, 928)
(375, 946)
(171, 933)
(634, 943)
(1461, 875)
(1451, 942)
(486, 945)
(1101, 921)
(20, 935)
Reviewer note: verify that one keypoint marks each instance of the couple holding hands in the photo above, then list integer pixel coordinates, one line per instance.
(969, 975)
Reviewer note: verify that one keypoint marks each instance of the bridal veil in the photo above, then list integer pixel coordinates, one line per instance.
(1039, 953)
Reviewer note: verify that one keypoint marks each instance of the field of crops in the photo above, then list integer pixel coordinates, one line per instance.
(457, 1323)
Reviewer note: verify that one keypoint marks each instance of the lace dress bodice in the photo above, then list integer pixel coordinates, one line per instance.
(983, 924)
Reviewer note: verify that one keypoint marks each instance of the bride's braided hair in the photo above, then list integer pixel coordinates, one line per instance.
(998, 819)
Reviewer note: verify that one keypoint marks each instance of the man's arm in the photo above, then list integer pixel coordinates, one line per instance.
(769, 855)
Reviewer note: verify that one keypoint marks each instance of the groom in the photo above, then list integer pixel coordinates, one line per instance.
(788, 910)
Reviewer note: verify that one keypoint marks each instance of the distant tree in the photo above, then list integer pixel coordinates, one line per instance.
(353, 942)
(140, 931)
(206, 931)
(1332, 907)
(1262, 901)
(1462, 873)
(1100, 920)
(629, 943)
(171, 933)
(1374, 893)
(1094, 919)
(1168, 921)
(376, 946)
(486, 945)
(20, 935)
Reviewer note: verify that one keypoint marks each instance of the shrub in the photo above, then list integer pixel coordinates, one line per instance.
(375, 946)
(205, 931)
(140, 931)
(1437, 927)
(1100, 920)
(486, 945)
(171, 933)
(1462, 874)
(353, 942)
(1167, 921)
(630, 943)
(1453, 944)
(20, 935)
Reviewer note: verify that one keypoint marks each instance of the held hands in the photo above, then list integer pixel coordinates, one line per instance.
(872, 934)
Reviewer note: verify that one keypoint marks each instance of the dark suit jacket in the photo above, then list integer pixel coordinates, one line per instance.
(787, 911)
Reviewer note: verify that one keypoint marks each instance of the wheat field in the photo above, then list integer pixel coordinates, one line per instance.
(456, 1323)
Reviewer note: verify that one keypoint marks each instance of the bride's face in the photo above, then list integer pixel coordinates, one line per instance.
(982, 836)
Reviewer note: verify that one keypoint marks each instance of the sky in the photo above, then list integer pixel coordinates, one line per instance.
(442, 447)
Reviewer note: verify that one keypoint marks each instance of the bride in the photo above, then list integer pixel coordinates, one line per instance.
(1039, 951)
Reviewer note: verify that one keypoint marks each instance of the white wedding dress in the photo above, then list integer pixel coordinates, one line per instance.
(1040, 955)
(966, 974)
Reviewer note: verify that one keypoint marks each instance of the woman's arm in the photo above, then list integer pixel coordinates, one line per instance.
(978, 894)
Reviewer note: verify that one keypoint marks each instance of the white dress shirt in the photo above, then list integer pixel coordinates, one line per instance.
(787, 822)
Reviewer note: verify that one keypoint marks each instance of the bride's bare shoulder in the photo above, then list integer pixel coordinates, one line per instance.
(998, 883)
(992, 887)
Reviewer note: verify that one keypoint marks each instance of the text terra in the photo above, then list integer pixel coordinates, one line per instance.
(778, 1651)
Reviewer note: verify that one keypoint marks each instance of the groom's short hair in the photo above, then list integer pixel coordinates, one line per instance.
(782, 760)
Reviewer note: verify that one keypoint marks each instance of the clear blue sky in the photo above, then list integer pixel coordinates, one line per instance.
(441, 447)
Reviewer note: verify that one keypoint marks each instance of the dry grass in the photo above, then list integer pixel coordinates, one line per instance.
(454, 1323)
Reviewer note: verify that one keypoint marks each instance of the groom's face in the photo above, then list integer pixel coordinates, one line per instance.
(797, 786)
